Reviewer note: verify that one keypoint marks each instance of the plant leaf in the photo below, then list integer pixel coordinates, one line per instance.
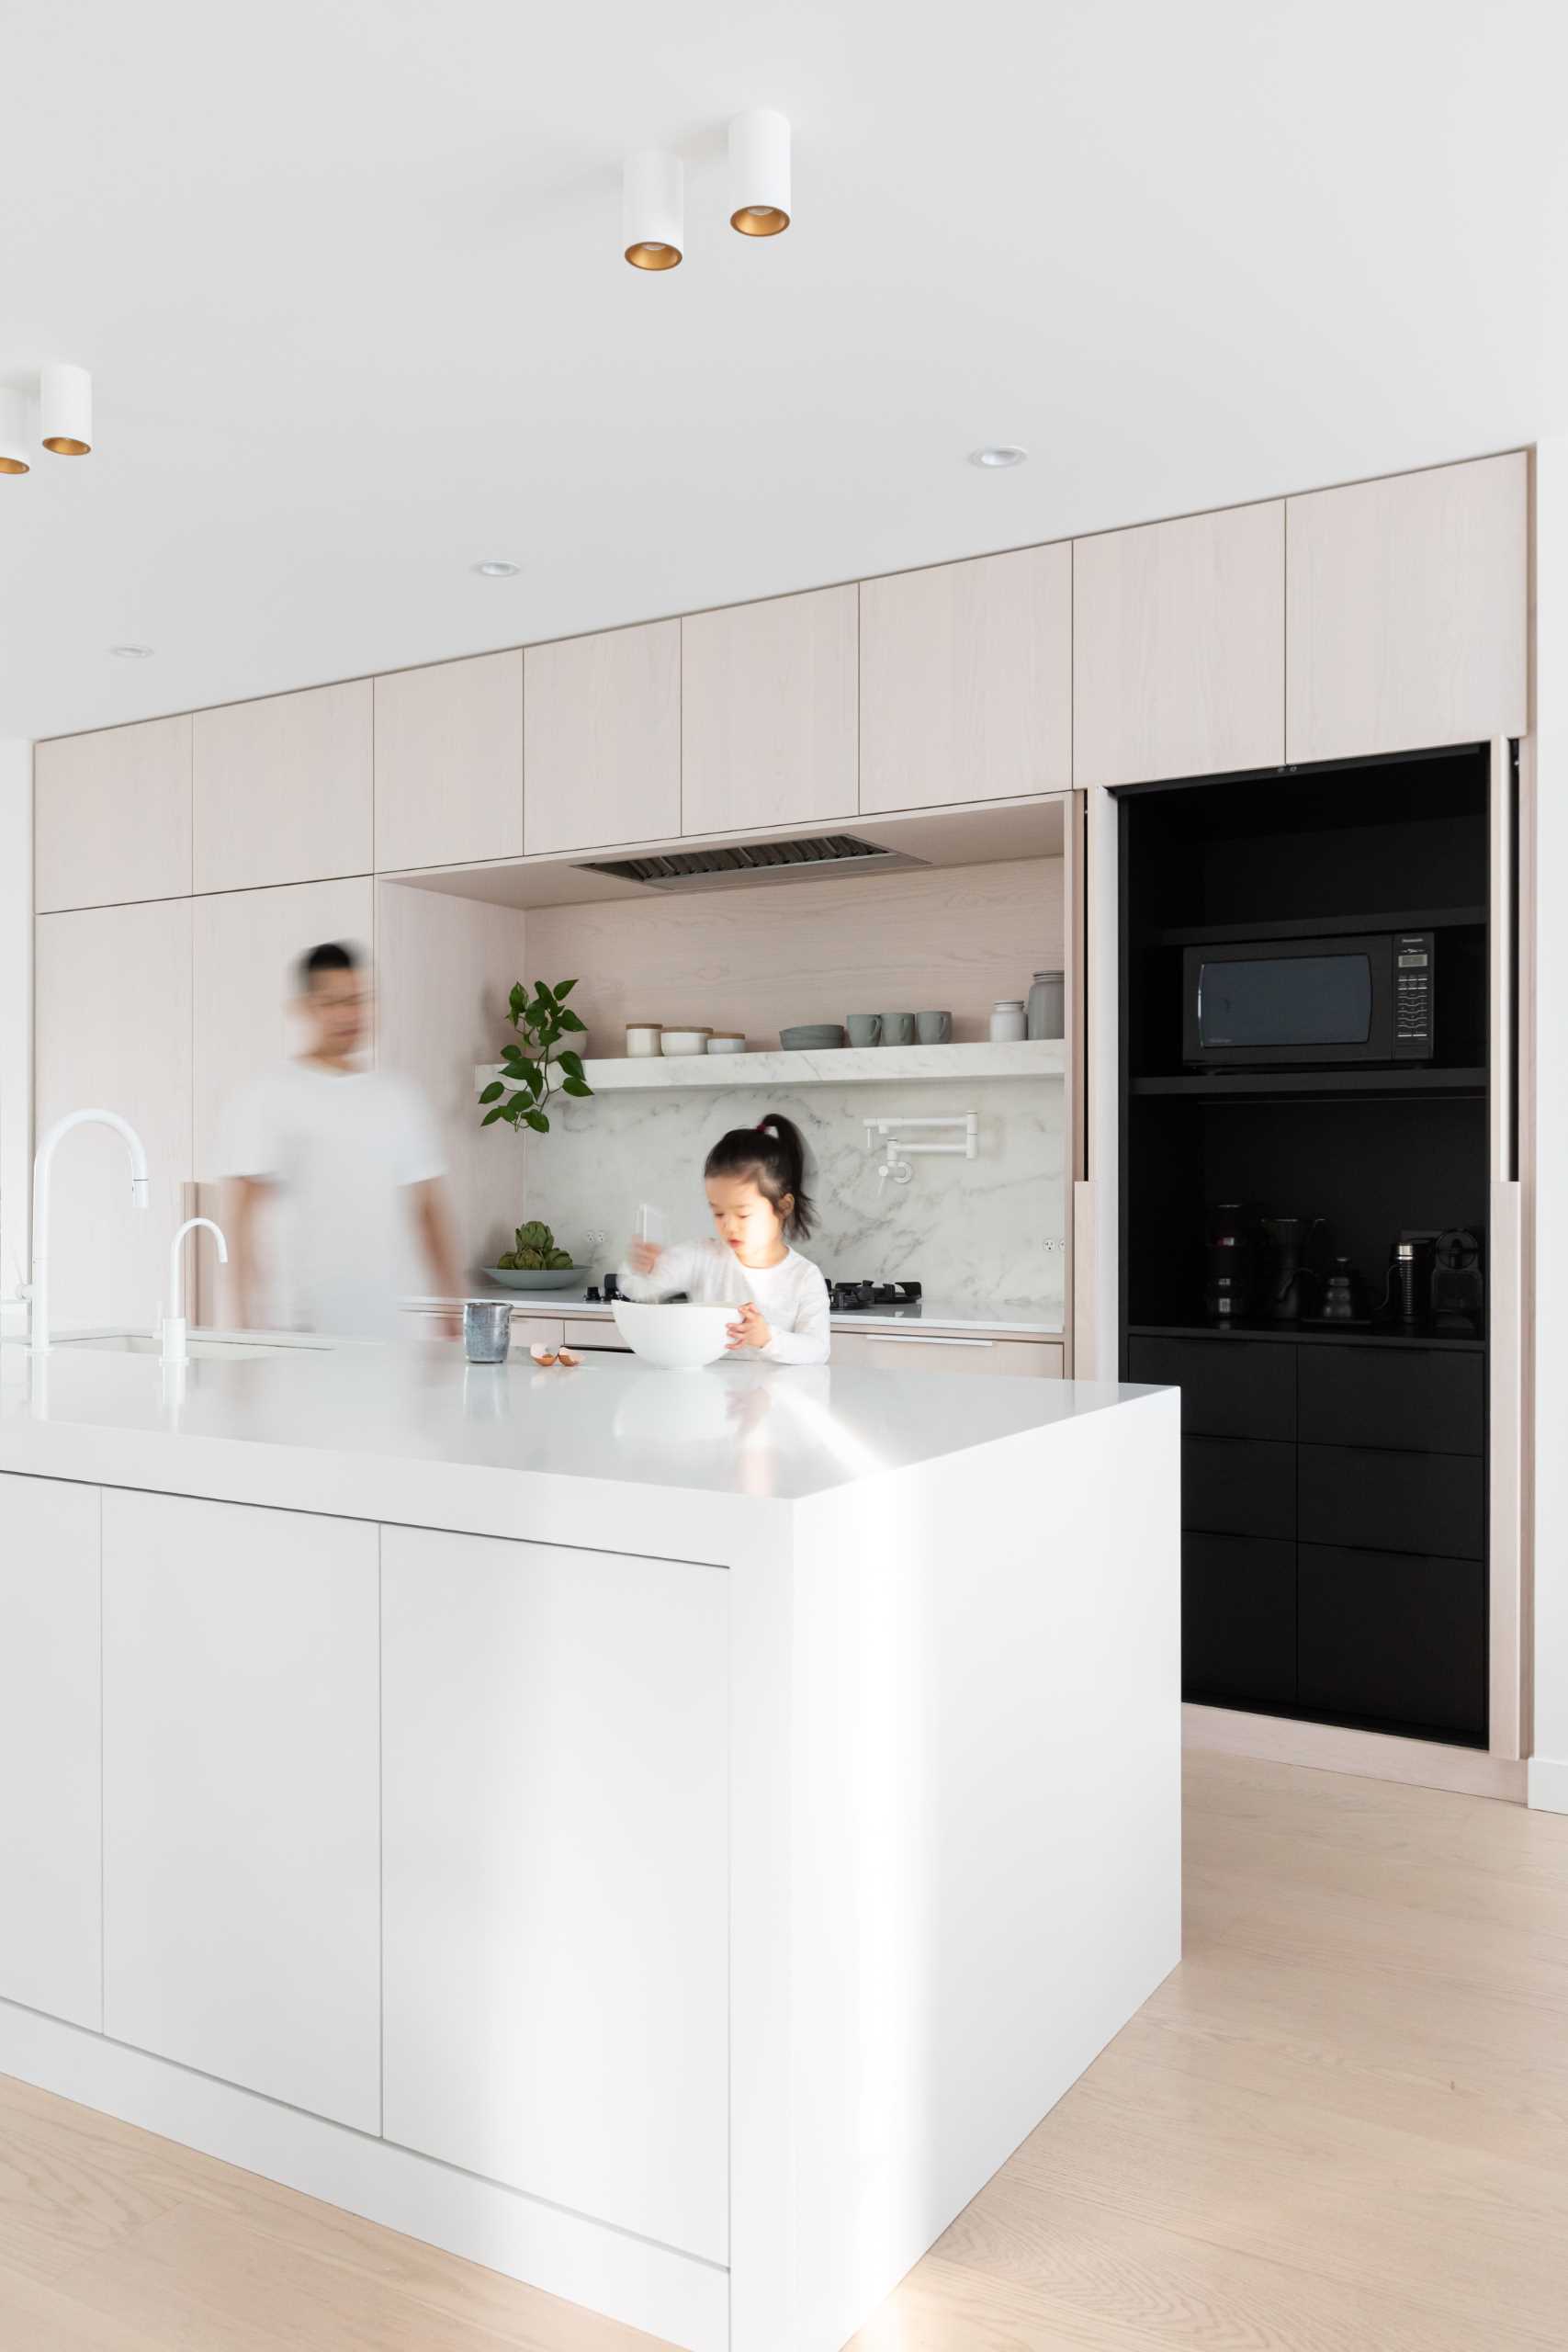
(563, 988)
(493, 1092)
(575, 1086)
(569, 1020)
(517, 999)
(490, 1117)
(571, 1063)
(538, 1122)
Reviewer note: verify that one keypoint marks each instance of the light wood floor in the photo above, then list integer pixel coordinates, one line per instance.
(1341, 2126)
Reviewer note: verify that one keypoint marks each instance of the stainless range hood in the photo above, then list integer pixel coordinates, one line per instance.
(802, 860)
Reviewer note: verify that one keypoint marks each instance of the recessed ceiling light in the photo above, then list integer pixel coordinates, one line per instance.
(131, 652)
(998, 452)
(496, 567)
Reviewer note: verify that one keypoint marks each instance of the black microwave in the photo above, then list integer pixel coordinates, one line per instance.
(1284, 1004)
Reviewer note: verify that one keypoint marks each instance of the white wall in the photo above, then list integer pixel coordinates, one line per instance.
(1549, 1772)
(15, 1014)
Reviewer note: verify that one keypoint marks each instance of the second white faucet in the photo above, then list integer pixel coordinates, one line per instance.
(176, 1348)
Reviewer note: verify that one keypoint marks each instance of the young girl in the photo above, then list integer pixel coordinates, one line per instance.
(755, 1182)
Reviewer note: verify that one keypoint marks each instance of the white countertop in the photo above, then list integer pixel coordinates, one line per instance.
(412, 1432)
(932, 1314)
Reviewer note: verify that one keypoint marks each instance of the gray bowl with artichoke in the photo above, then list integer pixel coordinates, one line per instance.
(534, 1262)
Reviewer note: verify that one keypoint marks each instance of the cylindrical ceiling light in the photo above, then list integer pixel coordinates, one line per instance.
(652, 210)
(14, 453)
(759, 173)
(65, 402)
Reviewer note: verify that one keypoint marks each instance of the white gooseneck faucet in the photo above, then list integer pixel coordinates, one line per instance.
(39, 1289)
(175, 1347)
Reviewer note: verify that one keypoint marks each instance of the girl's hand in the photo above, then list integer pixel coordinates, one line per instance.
(749, 1331)
(643, 1256)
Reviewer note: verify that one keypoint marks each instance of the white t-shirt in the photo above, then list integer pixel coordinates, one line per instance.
(342, 1147)
(792, 1295)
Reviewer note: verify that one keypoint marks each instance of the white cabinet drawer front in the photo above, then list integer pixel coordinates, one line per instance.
(282, 789)
(1407, 611)
(1178, 647)
(555, 1758)
(925, 1352)
(769, 722)
(111, 816)
(241, 1858)
(51, 1850)
(449, 763)
(601, 738)
(966, 681)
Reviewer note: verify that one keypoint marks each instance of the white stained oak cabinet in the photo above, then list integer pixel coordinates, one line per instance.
(111, 816)
(282, 789)
(240, 1796)
(113, 1028)
(50, 1776)
(555, 1745)
(935, 1351)
(1407, 611)
(966, 681)
(768, 713)
(1178, 647)
(449, 763)
(601, 738)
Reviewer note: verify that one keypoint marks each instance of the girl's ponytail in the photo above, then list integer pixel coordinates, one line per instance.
(773, 1154)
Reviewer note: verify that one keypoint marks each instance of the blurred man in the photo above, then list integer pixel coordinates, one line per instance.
(351, 1160)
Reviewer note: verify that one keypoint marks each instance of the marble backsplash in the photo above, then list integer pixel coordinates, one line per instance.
(984, 1235)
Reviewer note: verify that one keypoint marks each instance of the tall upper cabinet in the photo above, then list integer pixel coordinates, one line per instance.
(1179, 648)
(1407, 619)
(769, 722)
(449, 763)
(966, 681)
(601, 738)
(112, 816)
(282, 789)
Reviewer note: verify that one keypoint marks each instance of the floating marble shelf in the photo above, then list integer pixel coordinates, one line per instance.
(848, 1065)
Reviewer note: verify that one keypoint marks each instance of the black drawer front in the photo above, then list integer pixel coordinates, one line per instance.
(1239, 1620)
(1229, 1388)
(1396, 1638)
(1392, 1502)
(1238, 1486)
(1426, 1402)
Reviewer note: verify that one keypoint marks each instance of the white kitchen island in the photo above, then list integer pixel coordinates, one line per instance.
(668, 1836)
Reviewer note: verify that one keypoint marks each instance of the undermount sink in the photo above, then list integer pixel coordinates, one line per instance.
(145, 1343)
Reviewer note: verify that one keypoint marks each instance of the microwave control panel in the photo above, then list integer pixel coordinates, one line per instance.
(1412, 995)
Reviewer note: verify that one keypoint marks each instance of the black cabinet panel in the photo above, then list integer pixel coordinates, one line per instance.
(1392, 1502)
(1238, 1486)
(1229, 1388)
(1429, 1403)
(1398, 1638)
(1239, 1620)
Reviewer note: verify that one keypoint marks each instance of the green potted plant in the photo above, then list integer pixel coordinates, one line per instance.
(536, 1067)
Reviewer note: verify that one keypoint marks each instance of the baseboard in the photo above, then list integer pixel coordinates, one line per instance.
(670, 2295)
(1548, 1784)
(1375, 1754)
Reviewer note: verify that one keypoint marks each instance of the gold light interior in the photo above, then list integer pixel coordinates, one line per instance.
(758, 221)
(649, 255)
(14, 466)
(63, 446)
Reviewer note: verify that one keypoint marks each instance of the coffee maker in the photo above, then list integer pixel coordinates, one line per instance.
(1457, 1291)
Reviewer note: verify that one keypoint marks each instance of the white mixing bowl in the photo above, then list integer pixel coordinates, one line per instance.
(678, 1334)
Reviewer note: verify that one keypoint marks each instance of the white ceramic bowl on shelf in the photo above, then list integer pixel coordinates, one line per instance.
(684, 1041)
(678, 1334)
(727, 1041)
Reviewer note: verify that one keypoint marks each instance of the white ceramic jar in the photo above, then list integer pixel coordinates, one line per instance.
(1010, 1023)
(684, 1041)
(644, 1038)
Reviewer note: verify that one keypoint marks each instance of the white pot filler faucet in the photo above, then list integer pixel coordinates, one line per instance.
(37, 1290)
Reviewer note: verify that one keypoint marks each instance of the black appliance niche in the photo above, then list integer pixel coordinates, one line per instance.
(1334, 1489)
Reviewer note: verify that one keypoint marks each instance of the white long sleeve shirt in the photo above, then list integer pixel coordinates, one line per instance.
(792, 1297)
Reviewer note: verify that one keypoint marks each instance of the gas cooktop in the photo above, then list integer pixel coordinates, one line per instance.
(871, 1298)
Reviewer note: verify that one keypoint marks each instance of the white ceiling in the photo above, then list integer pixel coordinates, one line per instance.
(348, 277)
